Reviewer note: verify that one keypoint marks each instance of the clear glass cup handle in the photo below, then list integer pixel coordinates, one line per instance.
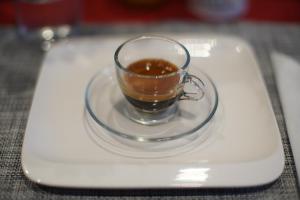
(196, 84)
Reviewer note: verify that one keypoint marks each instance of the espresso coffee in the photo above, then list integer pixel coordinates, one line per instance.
(151, 84)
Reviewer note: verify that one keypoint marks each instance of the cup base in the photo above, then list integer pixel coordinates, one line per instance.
(150, 118)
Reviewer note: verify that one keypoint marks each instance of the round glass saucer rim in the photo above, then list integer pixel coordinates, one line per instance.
(143, 139)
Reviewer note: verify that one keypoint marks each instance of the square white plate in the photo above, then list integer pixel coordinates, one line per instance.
(246, 149)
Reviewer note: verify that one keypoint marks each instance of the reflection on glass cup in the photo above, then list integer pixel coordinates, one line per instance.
(47, 19)
(152, 74)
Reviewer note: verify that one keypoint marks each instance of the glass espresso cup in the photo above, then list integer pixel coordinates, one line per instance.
(152, 74)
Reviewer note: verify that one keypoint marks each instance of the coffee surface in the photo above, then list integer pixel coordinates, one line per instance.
(152, 67)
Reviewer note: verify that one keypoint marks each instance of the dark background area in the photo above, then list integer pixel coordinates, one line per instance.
(116, 11)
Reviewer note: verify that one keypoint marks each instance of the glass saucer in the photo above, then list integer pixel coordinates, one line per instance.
(105, 105)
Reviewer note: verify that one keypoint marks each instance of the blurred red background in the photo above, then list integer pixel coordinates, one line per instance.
(110, 11)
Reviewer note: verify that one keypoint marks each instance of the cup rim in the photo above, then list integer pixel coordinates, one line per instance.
(152, 36)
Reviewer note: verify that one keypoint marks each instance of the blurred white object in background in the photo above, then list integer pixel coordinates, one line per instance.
(218, 10)
(287, 73)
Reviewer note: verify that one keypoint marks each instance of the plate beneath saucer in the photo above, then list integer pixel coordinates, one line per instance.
(245, 150)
